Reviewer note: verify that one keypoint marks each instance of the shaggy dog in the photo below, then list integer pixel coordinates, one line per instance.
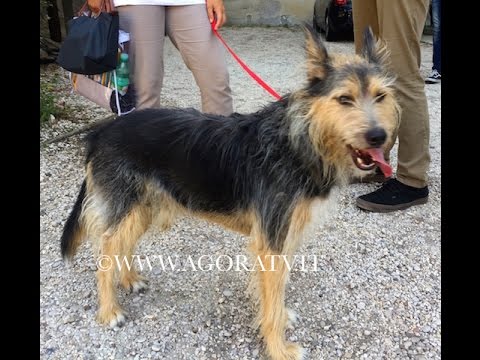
(264, 174)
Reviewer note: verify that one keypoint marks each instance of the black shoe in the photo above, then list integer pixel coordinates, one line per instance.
(434, 78)
(392, 196)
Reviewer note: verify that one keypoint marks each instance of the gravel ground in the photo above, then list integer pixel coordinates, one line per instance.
(376, 294)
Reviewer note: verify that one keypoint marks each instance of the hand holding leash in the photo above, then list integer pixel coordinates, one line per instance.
(244, 66)
(216, 11)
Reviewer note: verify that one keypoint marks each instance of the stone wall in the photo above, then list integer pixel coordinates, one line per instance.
(269, 12)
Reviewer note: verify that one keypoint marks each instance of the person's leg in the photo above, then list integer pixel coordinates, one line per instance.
(146, 25)
(190, 31)
(401, 25)
(364, 15)
(437, 35)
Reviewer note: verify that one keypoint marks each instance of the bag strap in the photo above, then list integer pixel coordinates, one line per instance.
(83, 9)
(108, 6)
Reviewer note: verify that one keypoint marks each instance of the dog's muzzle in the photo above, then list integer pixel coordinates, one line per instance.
(367, 159)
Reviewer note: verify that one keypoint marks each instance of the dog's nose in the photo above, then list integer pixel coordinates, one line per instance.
(376, 136)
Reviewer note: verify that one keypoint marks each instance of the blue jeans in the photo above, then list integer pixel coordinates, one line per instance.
(437, 35)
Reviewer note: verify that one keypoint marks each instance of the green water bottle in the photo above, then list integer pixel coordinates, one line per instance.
(123, 74)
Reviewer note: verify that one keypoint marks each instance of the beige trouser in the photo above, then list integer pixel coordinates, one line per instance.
(190, 31)
(400, 24)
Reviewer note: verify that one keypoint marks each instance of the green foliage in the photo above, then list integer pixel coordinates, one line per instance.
(47, 104)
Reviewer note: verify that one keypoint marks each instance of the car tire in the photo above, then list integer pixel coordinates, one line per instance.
(329, 33)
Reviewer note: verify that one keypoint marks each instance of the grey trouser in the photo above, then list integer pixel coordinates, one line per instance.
(190, 31)
(400, 24)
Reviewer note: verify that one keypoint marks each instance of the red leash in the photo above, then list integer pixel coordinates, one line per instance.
(245, 67)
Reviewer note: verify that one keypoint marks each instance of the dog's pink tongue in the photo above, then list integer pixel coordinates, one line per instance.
(377, 156)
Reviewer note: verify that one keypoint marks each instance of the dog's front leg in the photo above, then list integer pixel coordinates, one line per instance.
(273, 317)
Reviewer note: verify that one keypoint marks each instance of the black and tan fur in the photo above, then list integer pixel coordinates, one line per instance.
(263, 174)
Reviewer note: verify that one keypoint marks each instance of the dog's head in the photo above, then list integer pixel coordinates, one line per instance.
(349, 108)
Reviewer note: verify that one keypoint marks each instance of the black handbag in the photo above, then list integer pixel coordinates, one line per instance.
(91, 45)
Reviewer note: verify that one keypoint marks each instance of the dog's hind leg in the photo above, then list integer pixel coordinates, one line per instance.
(116, 243)
(156, 208)
(109, 311)
(140, 218)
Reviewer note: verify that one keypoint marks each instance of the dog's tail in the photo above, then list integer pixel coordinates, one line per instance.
(73, 230)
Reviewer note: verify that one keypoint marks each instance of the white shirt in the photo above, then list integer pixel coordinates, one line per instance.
(158, 2)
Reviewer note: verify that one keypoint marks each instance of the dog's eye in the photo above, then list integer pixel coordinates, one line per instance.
(380, 96)
(345, 100)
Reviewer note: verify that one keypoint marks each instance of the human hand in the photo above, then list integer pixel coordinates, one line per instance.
(95, 5)
(216, 10)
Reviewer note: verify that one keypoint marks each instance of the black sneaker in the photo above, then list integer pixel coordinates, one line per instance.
(392, 196)
(434, 78)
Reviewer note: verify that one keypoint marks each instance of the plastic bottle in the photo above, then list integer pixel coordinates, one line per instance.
(123, 73)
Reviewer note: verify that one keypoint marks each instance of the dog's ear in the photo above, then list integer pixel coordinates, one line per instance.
(374, 51)
(317, 55)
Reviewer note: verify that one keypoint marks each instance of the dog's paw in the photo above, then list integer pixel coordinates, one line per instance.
(119, 320)
(292, 318)
(134, 284)
(139, 286)
(112, 318)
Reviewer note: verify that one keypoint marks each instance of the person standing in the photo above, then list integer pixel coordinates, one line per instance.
(188, 24)
(436, 75)
(400, 24)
